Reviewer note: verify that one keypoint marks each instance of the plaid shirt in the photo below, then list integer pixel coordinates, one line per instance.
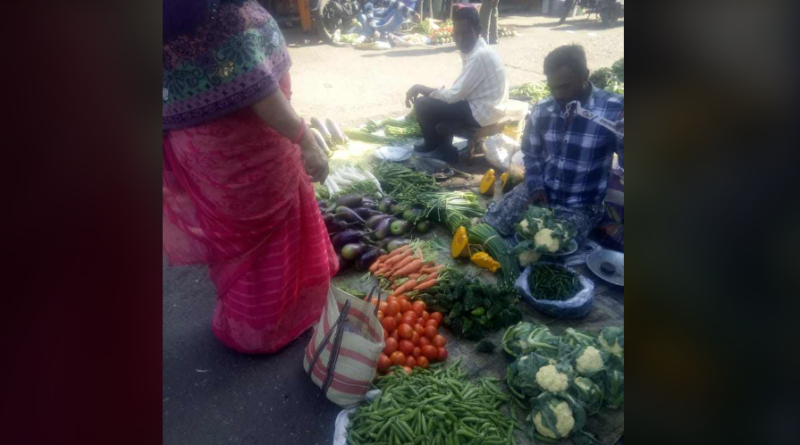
(571, 160)
(482, 83)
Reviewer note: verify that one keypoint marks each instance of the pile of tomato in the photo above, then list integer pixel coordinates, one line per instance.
(411, 333)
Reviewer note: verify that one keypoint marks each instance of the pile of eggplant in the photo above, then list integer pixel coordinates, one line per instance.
(362, 229)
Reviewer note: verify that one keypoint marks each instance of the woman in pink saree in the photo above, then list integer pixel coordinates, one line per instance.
(238, 166)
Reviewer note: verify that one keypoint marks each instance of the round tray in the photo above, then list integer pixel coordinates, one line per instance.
(594, 259)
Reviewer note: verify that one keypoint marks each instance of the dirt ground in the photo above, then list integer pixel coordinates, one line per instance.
(351, 86)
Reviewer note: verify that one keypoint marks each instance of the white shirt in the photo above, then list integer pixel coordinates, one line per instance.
(482, 83)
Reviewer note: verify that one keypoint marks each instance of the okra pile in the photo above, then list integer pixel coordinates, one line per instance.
(433, 407)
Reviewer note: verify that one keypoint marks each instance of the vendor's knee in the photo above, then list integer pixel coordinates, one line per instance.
(422, 106)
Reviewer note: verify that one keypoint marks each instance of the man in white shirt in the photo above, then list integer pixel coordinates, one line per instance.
(476, 99)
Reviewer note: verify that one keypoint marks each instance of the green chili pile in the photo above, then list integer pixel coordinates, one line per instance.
(551, 282)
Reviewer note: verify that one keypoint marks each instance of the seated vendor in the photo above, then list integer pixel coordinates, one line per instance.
(476, 99)
(389, 19)
(567, 158)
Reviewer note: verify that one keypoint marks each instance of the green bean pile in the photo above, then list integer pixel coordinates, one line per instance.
(550, 282)
(433, 407)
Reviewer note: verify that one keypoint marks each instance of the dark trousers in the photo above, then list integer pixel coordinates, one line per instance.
(567, 8)
(437, 119)
(488, 15)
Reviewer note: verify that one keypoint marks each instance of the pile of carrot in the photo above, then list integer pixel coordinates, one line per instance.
(405, 263)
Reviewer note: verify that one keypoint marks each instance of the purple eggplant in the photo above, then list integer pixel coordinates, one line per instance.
(368, 257)
(344, 264)
(366, 213)
(386, 205)
(353, 251)
(382, 229)
(347, 237)
(397, 243)
(351, 201)
(373, 221)
(348, 214)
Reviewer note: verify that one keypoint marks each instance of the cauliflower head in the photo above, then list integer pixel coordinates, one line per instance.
(612, 340)
(545, 239)
(564, 424)
(590, 361)
(550, 379)
(528, 257)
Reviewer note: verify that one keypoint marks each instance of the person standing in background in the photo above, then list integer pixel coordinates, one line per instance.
(489, 16)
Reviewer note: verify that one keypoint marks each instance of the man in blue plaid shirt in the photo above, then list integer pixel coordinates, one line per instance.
(567, 157)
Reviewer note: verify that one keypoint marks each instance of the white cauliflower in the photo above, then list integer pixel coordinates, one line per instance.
(544, 238)
(590, 361)
(524, 224)
(528, 257)
(550, 379)
(564, 424)
(539, 223)
(612, 340)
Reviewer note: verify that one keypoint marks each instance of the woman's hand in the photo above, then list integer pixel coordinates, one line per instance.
(314, 159)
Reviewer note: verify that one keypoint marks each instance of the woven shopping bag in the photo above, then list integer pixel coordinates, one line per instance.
(342, 357)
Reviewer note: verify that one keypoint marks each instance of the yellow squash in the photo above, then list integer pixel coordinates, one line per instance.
(482, 259)
(458, 247)
(487, 182)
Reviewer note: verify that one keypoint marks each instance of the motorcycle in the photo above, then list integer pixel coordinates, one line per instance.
(332, 15)
(609, 11)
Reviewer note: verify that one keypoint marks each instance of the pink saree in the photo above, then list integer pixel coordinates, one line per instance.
(236, 197)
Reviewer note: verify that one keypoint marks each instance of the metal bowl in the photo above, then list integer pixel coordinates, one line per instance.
(595, 259)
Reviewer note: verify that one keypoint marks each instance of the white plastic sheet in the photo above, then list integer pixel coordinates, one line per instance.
(343, 420)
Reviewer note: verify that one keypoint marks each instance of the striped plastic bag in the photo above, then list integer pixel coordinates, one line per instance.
(342, 357)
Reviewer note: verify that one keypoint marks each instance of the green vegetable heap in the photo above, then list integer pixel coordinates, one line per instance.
(551, 282)
(564, 379)
(474, 309)
(433, 407)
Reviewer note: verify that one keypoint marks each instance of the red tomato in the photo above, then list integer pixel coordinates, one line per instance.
(382, 306)
(441, 354)
(390, 299)
(380, 316)
(422, 362)
(424, 341)
(404, 304)
(392, 308)
(389, 324)
(406, 347)
(385, 334)
(394, 335)
(418, 307)
(398, 358)
(384, 363)
(410, 320)
(415, 338)
(425, 316)
(411, 314)
(391, 346)
(417, 353)
(411, 362)
(419, 329)
(437, 316)
(428, 352)
(407, 369)
(405, 331)
(432, 322)
(430, 332)
(439, 341)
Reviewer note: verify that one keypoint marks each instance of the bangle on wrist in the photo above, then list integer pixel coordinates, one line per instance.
(301, 132)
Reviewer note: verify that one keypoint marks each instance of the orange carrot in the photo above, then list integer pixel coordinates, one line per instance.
(414, 276)
(406, 261)
(428, 277)
(406, 287)
(374, 267)
(425, 285)
(398, 251)
(398, 258)
(412, 267)
(431, 269)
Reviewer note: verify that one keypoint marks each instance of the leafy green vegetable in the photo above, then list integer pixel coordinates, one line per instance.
(602, 77)
(619, 69)
(533, 92)
(486, 346)
(472, 308)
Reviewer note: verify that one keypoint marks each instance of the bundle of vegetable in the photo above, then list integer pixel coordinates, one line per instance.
(541, 232)
(402, 183)
(552, 282)
(487, 237)
(349, 180)
(533, 92)
(406, 270)
(433, 407)
(564, 378)
(472, 308)
(364, 135)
